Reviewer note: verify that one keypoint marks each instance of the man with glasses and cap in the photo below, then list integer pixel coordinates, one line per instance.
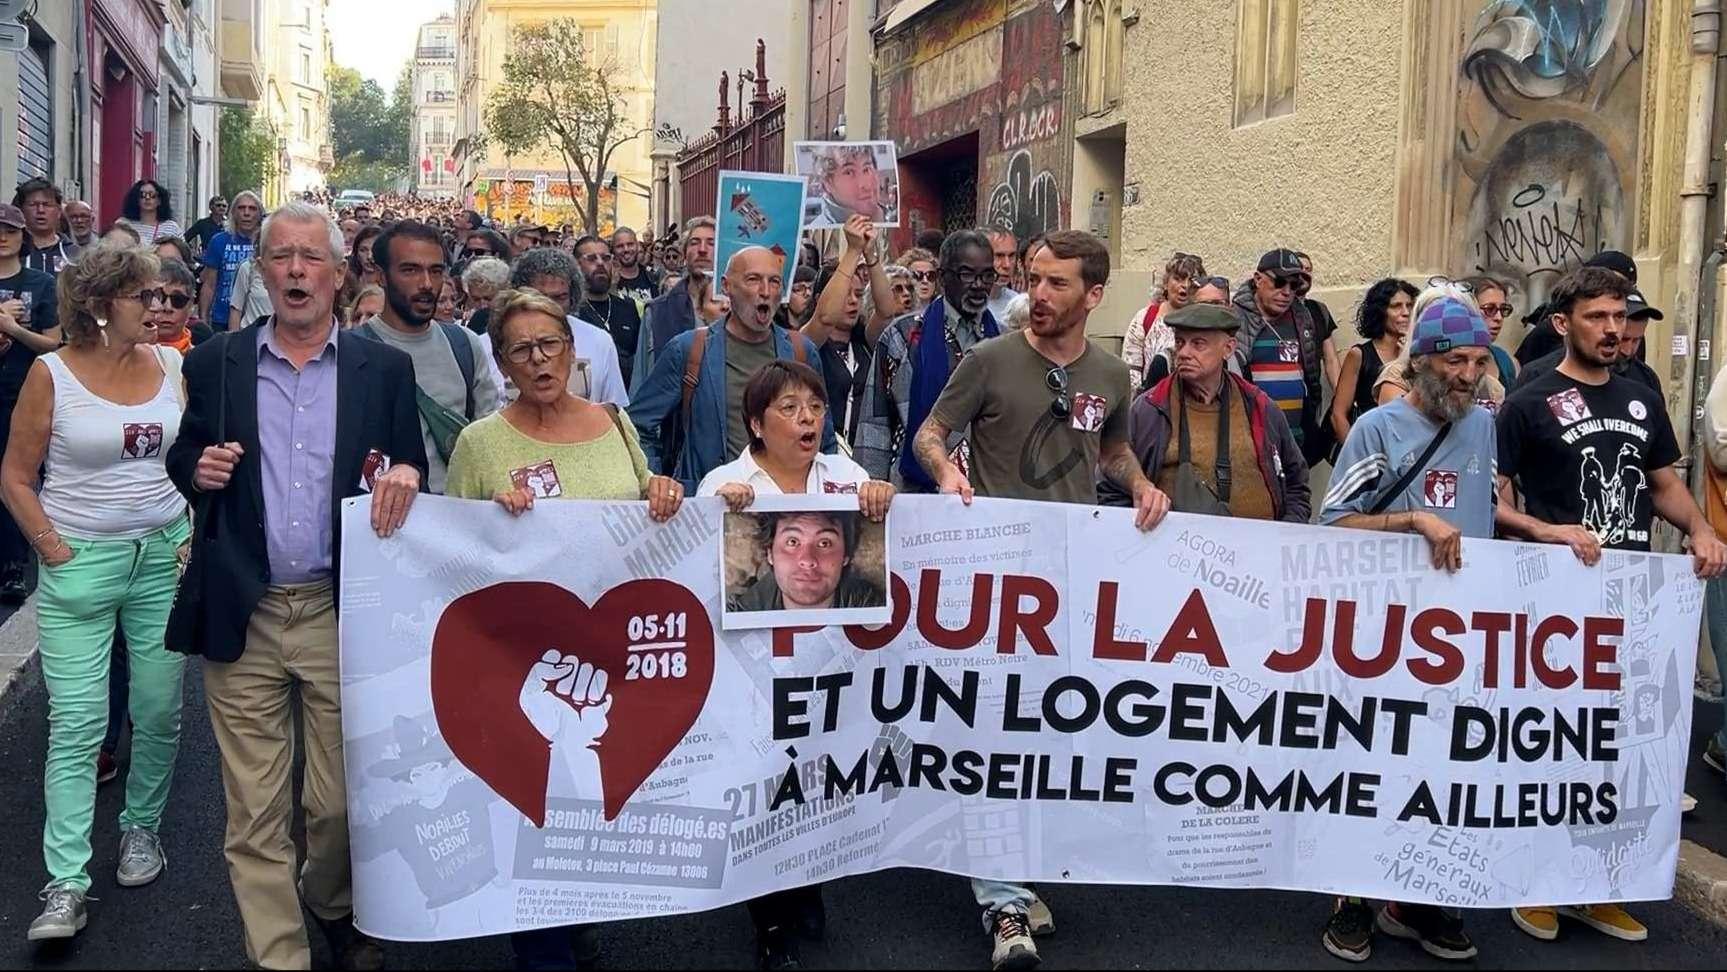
(1279, 345)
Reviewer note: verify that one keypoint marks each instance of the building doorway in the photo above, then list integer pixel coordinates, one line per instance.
(938, 189)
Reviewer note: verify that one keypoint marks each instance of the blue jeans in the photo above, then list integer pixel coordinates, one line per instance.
(1715, 615)
(999, 896)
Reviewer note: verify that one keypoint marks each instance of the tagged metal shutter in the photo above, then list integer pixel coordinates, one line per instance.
(35, 115)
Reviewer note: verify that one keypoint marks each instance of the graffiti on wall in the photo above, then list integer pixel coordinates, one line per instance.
(1025, 201)
(1547, 133)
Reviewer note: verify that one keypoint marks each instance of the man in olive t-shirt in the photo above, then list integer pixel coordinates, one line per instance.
(1024, 445)
(1046, 409)
(743, 359)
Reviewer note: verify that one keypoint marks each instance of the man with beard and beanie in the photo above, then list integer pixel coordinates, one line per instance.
(1278, 347)
(1592, 453)
(1543, 339)
(635, 280)
(1210, 439)
(678, 310)
(689, 411)
(909, 372)
(1046, 407)
(454, 385)
(311, 416)
(1421, 464)
(617, 312)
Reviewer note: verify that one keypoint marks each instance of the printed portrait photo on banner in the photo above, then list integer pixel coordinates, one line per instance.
(847, 178)
(793, 561)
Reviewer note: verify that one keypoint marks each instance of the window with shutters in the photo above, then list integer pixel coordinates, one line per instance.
(35, 112)
(1266, 53)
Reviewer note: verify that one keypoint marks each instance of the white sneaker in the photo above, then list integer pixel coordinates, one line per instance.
(141, 858)
(1014, 949)
(63, 916)
(1687, 803)
(1039, 917)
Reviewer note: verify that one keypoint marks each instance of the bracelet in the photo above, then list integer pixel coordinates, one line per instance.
(45, 531)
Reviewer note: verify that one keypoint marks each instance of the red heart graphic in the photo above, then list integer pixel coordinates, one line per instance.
(489, 639)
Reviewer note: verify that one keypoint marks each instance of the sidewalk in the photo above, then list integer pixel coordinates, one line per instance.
(17, 648)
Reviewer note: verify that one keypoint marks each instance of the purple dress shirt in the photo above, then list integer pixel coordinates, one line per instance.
(297, 442)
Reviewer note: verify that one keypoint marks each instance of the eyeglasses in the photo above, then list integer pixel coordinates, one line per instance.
(1056, 381)
(967, 276)
(790, 408)
(178, 301)
(923, 276)
(473, 252)
(1279, 282)
(549, 347)
(147, 296)
(1497, 310)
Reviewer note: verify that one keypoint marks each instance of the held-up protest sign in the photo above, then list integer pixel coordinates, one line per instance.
(759, 209)
(849, 179)
(545, 722)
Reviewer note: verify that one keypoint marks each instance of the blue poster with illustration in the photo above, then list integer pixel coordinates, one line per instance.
(760, 209)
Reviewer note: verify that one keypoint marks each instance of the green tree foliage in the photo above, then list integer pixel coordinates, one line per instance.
(553, 95)
(248, 151)
(369, 130)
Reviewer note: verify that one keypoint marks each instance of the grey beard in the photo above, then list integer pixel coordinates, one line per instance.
(1435, 394)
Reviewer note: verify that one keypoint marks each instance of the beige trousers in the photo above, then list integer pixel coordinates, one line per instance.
(291, 641)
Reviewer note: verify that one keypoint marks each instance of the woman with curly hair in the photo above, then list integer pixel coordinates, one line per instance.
(1383, 321)
(108, 525)
(1147, 336)
(148, 212)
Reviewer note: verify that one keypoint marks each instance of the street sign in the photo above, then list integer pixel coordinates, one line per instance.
(541, 184)
(14, 38)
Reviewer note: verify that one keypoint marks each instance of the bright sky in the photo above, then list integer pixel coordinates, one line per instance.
(376, 37)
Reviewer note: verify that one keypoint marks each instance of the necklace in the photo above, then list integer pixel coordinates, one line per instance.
(605, 322)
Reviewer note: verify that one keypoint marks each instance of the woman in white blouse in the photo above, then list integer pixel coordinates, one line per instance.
(784, 404)
(147, 210)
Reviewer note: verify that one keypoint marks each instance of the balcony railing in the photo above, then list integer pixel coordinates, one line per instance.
(440, 97)
(434, 53)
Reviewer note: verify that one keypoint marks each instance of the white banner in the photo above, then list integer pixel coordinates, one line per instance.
(545, 723)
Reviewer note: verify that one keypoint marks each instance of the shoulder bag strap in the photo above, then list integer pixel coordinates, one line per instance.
(1221, 468)
(1389, 496)
(464, 352)
(693, 372)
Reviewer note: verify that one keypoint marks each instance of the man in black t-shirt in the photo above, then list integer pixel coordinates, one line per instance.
(1638, 314)
(205, 230)
(1592, 452)
(633, 279)
(27, 328)
(617, 313)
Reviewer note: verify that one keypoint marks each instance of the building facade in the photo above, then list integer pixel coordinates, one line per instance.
(296, 96)
(972, 92)
(124, 39)
(621, 33)
(432, 136)
(41, 82)
(1470, 137)
(187, 119)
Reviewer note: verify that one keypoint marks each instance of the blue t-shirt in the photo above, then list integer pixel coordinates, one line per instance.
(226, 253)
(1458, 484)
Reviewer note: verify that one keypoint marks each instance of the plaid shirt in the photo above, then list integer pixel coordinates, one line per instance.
(886, 398)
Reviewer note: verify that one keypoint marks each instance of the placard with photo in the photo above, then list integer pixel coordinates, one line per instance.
(803, 560)
(846, 178)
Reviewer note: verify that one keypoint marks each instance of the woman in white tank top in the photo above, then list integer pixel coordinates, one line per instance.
(108, 526)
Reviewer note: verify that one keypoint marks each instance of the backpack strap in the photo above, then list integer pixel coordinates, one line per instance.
(464, 352)
(693, 372)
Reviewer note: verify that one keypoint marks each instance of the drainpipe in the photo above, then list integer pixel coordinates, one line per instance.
(1688, 384)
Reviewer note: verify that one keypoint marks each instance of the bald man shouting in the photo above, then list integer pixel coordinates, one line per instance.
(690, 410)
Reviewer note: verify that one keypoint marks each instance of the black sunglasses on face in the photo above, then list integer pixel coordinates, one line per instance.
(1056, 381)
(473, 252)
(923, 276)
(177, 301)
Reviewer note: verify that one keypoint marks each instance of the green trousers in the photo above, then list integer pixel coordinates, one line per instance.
(77, 603)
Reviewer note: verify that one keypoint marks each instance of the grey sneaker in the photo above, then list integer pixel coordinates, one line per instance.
(63, 916)
(141, 857)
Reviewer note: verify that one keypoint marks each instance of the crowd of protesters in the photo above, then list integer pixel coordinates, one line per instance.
(257, 368)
